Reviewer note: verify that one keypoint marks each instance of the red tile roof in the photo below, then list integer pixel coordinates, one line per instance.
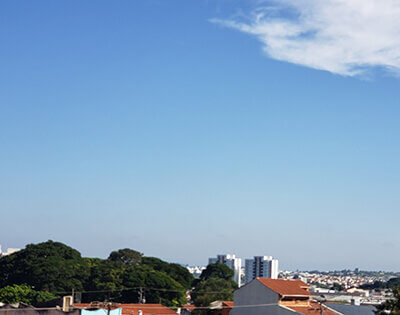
(228, 303)
(132, 309)
(313, 309)
(189, 307)
(286, 287)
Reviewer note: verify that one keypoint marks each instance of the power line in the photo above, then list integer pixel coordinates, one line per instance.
(138, 288)
(142, 306)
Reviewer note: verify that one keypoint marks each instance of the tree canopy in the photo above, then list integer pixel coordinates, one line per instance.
(48, 266)
(390, 306)
(126, 256)
(390, 284)
(25, 294)
(215, 283)
(217, 271)
(175, 271)
(213, 289)
(123, 277)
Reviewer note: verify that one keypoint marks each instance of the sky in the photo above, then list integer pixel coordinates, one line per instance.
(190, 128)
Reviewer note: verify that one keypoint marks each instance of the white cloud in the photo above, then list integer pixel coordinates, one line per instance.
(341, 36)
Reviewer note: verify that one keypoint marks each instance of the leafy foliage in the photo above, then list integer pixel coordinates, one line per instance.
(49, 266)
(337, 287)
(25, 294)
(392, 283)
(175, 271)
(127, 284)
(105, 277)
(391, 306)
(217, 271)
(126, 256)
(213, 289)
(215, 283)
(123, 277)
(159, 287)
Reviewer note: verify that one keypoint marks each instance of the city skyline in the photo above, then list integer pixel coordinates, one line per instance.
(183, 129)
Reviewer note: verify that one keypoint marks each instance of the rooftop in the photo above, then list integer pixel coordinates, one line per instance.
(313, 309)
(286, 287)
(132, 309)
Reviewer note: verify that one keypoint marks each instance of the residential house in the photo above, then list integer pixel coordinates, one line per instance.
(187, 309)
(215, 308)
(220, 307)
(131, 309)
(277, 296)
(24, 309)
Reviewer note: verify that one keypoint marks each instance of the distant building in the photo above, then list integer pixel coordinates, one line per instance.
(195, 270)
(261, 266)
(277, 297)
(232, 262)
(357, 291)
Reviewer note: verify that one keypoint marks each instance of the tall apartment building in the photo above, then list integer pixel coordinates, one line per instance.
(261, 266)
(232, 262)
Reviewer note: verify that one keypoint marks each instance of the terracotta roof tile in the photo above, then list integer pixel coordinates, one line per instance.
(286, 287)
(132, 309)
(228, 303)
(313, 309)
(189, 307)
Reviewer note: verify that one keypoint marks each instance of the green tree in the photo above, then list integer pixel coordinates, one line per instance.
(122, 284)
(126, 256)
(215, 283)
(105, 277)
(25, 294)
(392, 306)
(375, 285)
(48, 266)
(175, 271)
(337, 287)
(57, 268)
(217, 271)
(213, 289)
(393, 283)
(157, 286)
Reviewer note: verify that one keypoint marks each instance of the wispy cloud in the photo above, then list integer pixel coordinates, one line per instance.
(345, 37)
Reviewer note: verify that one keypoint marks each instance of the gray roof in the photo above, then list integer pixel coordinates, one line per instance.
(347, 309)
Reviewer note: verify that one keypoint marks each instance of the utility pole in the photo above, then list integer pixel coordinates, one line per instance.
(141, 295)
(319, 301)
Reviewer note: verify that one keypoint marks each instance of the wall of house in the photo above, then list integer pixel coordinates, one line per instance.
(220, 312)
(263, 310)
(30, 311)
(295, 302)
(255, 293)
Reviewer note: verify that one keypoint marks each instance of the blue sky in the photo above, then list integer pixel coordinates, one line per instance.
(184, 129)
